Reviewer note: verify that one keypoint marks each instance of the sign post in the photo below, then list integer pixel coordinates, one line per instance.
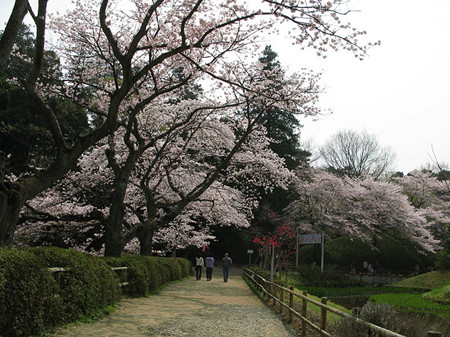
(323, 253)
(309, 239)
(272, 262)
(250, 252)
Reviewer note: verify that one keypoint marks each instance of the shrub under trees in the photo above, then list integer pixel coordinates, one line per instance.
(33, 300)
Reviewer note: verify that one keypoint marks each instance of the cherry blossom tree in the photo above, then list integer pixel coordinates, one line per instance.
(118, 57)
(431, 196)
(363, 208)
(182, 170)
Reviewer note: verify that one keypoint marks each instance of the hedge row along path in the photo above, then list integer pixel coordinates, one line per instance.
(190, 309)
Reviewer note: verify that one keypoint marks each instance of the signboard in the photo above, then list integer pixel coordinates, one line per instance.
(309, 239)
(249, 251)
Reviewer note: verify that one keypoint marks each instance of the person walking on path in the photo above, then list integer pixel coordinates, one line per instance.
(227, 262)
(209, 263)
(199, 264)
(189, 308)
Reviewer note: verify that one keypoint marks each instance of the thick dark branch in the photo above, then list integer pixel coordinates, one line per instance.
(11, 30)
(143, 29)
(40, 43)
(30, 84)
(186, 19)
(35, 215)
(109, 35)
(111, 154)
(212, 176)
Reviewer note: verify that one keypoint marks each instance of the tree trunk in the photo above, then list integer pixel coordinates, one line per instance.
(113, 232)
(114, 239)
(145, 237)
(11, 202)
(113, 244)
(12, 28)
(13, 196)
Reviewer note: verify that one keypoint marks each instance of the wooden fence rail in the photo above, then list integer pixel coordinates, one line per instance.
(270, 290)
(59, 270)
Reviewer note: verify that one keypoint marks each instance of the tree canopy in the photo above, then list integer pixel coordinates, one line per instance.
(356, 154)
(130, 70)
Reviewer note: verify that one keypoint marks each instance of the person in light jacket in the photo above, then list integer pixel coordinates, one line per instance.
(199, 264)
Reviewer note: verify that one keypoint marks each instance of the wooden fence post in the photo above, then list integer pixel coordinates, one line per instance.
(270, 289)
(273, 291)
(281, 300)
(266, 295)
(258, 279)
(323, 314)
(304, 304)
(58, 278)
(291, 303)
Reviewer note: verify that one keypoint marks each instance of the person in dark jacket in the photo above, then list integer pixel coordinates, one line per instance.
(226, 264)
(209, 263)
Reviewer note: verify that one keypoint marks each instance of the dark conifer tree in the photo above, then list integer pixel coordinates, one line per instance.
(283, 128)
(24, 137)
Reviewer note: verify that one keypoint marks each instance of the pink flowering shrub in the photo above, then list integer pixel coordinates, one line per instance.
(284, 241)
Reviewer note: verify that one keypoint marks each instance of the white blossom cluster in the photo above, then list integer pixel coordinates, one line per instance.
(367, 208)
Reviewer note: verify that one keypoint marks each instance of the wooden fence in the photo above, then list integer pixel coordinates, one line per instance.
(285, 298)
(57, 272)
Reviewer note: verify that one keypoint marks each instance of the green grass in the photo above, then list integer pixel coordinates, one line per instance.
(331, 317)
(431, 280)
(356, 291)
(411, 302)
(407, 295)
(437, 281)
(97, 314)
(436, 301)
(441, 295)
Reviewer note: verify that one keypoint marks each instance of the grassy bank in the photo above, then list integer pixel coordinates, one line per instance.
(431, 280)
(435, 301)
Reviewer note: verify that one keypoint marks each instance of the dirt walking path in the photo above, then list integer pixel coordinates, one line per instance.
(191, 309)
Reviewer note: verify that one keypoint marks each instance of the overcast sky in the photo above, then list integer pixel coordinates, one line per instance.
(400, 92)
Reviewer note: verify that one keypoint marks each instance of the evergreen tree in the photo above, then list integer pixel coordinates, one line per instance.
(24, 137)
(282, 127)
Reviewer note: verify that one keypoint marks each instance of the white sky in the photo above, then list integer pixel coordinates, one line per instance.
(400, 92)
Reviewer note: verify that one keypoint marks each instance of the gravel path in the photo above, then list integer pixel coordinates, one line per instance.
(191, 309)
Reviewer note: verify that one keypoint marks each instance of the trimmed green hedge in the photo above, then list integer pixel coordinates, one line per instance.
(89, 285)
(33, 300)
(28, 294)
